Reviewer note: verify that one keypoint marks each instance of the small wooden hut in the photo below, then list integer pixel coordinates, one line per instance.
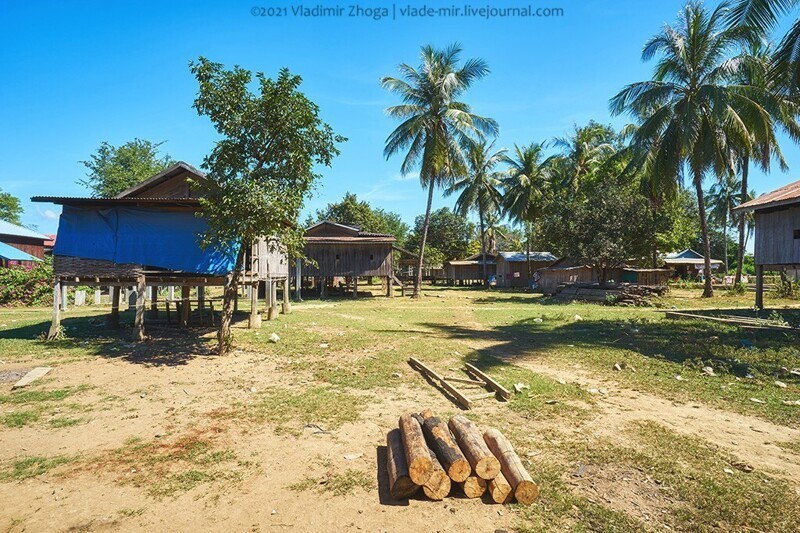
(340, 251)
(512, 267)
(688, 263)
(147, 236)
(777, 240)
(19, 245)
(470, 270)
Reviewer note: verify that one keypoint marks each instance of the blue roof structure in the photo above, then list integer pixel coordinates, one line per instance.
(515, 257)
(9, 253)
(7, 228)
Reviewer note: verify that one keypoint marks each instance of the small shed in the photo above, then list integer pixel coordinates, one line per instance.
(147, 237)
(548, 279)
(651, 277)
(23, 239)
(688, 263)
(777, 239)
(339, 250)
(470, 269)
(512, 267)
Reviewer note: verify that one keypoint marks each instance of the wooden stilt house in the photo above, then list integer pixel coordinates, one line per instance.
(147, 236)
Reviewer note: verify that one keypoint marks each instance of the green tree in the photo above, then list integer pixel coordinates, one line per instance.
(525, 187)
(434, 122)
(448, 232)
(354, 212)
(112, 169)
(690, 115)
(262, 169)
(721, 199)
(582, 151)
(10, 208)
(479, 189)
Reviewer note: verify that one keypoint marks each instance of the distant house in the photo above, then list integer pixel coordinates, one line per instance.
(469, 270)
(49, 244)
(339, 250)
(567, 271)
(688, 263)
(512, 267)
(19, 245)
(777, 240)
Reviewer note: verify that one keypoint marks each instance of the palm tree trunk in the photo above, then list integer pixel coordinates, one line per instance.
(708, 290)
(418, 281)
(483, 248)
(229, 295)
(742, 199)
(725, 237)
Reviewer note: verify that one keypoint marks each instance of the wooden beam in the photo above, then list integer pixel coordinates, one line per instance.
(457, 394)
(55, 325)
(298, 279)
(138, 323)
(287, 303)
(113, 318)
(466, 380)
(255, 317)
(760, 286)
(501, 391)
(185, 306)
(483, 396)
(64, 296)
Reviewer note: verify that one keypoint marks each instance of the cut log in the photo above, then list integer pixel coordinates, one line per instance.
(525, 490)
(438, 485)
(447, 451)
(499, 489)
(400, 484)
(418, 458)
(474, 486)
(483, 463)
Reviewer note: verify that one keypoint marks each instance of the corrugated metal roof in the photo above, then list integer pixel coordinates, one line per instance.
(170, 172)
(514, 257)
(786, 195)
(7, 228)
(687, 257)
(10, 253)
(82, 200)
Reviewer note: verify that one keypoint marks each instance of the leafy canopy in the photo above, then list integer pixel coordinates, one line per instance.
(354, 212)
(112, 169)
(263, 168)
(10, 208)
(448, 232)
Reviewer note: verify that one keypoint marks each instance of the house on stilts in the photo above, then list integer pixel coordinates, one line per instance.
(147, 237)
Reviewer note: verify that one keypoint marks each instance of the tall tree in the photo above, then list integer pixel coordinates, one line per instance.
(582, 150)
(448, 232)
(435, 122)
(721, 200)
(690, 115)
(479, 190)
(262, 169)
(112, 169)
(10, 208)
(524, 187)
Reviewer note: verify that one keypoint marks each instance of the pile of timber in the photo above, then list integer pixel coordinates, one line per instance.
(630, 294)
(425, 453)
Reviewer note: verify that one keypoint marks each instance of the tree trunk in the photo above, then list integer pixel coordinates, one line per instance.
(418, 281)
(742, 228)
(528, 252)
(400, 484)
(469, 438)
(441, 441)
(418, 455)
(231, 289)
(708, 290)
(525, 490)
(483, 248)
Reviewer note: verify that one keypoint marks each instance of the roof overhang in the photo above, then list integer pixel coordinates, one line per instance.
(116, 202)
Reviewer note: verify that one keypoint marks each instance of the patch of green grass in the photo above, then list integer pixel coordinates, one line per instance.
(173, 484)
(339, 484)
(26, 397)
(290, 410)
(18, 419)
(63, 422)
(792, 446)
(33, 466)
(128, 512)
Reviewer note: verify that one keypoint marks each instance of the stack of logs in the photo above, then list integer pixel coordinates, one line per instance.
(425, 452)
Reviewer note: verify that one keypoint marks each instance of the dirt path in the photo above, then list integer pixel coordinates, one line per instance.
(750, 439)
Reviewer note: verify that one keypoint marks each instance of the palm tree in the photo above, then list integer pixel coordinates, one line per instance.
(721, 201)
(690, 115)
(435, 123)
(583, 151)
(524, 188)
(755, 71)
(479, 188)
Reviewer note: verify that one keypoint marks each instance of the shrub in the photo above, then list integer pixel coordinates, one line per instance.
(21, 285)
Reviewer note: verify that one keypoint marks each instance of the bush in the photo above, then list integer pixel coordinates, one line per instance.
(27, 285)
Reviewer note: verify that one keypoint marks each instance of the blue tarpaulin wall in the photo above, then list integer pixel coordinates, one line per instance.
(150, 237)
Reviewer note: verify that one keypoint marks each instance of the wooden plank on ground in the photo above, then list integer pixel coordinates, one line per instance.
(457, 394)
(466, 381)
(501, 391)
(33, 375)
(736, 322)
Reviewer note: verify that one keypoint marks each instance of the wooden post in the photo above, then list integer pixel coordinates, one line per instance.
(760, 286)
(355, 286)
(55, 326)
(390, 287)
(201, 302)
(287, 304)
(171, 292)
(298, 280)
(185, 305)
(138, 323)
(98, 295)
(273, 288)
(113, 318)
(154, 302)
(255, 316)
(323, 286)
(64, 297)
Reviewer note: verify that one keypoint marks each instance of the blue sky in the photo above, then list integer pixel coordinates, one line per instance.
(75, 74)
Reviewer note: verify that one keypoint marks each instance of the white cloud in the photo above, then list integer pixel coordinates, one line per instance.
(49, 214)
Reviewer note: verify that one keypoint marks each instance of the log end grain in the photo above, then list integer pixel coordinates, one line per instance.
(499, 489)
(473, 487)
(460, 470)
(526, 492)
(438, 485)
(487, 467)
